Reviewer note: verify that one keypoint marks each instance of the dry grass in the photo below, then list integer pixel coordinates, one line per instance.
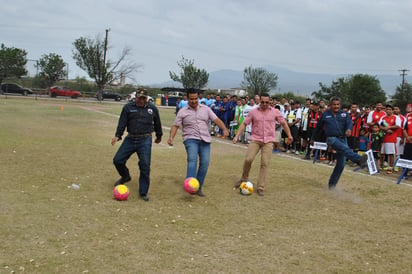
(297, 227)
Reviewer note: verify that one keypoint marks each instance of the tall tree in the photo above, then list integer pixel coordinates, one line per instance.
(52, 68)
(90, 55)
(259, 80)
(190, 76)
(359, 88)
(12, 62)
(403, 96)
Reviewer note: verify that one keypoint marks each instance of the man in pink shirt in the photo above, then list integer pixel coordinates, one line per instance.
(263, 120)
(194, 120)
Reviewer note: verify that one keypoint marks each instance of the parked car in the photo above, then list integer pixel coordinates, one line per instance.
(108, 94)
(63, 91)
(14, 88)
(132, 97)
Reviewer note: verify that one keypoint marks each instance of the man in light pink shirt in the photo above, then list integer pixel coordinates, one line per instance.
(194, 120)
(263, 120)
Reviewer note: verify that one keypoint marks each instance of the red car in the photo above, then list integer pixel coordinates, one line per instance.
(63, 91)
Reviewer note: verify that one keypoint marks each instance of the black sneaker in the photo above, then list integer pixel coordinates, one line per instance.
(363, 161)
(122, 180)
(144, 197)
(200, 193)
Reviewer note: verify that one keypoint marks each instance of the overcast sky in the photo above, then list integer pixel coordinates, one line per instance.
(330, 36)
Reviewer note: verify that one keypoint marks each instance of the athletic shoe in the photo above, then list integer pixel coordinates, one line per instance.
(363, 161)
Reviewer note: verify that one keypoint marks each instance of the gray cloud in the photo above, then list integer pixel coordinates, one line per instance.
(304, 35)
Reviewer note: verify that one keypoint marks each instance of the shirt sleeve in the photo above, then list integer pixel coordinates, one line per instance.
(121, 125)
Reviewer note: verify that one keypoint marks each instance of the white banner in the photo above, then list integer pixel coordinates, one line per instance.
(371, 162)
(319, 145)
(404, 163)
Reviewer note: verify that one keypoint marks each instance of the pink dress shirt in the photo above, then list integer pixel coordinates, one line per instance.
(195, 122)
(263, 124)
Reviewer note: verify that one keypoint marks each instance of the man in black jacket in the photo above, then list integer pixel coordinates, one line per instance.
(141, 119)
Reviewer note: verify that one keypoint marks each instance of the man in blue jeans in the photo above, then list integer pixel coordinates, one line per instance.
(194, 120)
(140, 118)
(337, 126)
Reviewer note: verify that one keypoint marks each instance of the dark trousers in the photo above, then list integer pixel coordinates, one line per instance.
(342, 152)
(142, 146)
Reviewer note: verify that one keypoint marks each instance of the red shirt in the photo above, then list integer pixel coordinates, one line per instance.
(357, 123)
(392, 120)
(408, 125)
(375, 116)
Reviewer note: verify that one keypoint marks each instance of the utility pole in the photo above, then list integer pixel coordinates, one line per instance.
(403, 74)
(105, 46)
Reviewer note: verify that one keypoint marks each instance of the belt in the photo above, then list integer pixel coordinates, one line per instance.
(340, 137)
(139, 135)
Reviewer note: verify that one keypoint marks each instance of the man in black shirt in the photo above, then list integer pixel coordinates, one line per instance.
(141, 119)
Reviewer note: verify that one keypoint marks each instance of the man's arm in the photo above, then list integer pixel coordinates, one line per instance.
(240, 130)
(173, 131)
(222, 126)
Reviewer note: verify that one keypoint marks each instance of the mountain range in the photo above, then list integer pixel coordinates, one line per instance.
(301, 83)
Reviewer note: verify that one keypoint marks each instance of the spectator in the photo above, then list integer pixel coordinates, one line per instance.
(389, 123)
(376, 139)
(313, 119)
(400, 140)
(375, 115)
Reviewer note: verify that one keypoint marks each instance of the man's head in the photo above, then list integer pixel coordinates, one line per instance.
(389, 109)
(396, 110)
(379, 106)
(334, 104)
(193, 98)
(141, 97)
(257, 99)
(354, 108)
(264, 101)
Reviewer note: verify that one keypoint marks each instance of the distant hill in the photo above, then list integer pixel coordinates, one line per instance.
(297, 82)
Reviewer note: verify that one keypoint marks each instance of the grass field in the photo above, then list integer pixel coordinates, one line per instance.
(297, 227)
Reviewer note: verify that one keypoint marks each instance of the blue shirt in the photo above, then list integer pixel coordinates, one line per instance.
(334, 125)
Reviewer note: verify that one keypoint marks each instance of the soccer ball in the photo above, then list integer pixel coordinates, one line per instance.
(121, 192)
(191, 185)
(246, 188)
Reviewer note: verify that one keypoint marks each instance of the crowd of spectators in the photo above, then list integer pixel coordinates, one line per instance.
(381, 128)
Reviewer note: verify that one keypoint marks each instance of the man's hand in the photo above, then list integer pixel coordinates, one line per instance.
(312, 142)
(114, 140)
(348, 133)
(225, 133)
(170, 141)
(158, 140)
(290, 140)
(235, 139)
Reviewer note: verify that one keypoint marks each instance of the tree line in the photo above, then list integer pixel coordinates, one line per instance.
(90, 55)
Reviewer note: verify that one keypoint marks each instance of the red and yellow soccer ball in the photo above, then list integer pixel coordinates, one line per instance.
(121, 192)
(191, 185)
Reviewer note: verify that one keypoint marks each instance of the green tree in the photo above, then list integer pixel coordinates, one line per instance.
(90, 56)
(12, 62)
(403, 96)
(259, 80)
(52, 68)
(359, 88)
(190, 76)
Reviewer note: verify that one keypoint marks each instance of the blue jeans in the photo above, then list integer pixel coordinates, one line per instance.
(195, 148)
(142, 146)
(342, 152)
